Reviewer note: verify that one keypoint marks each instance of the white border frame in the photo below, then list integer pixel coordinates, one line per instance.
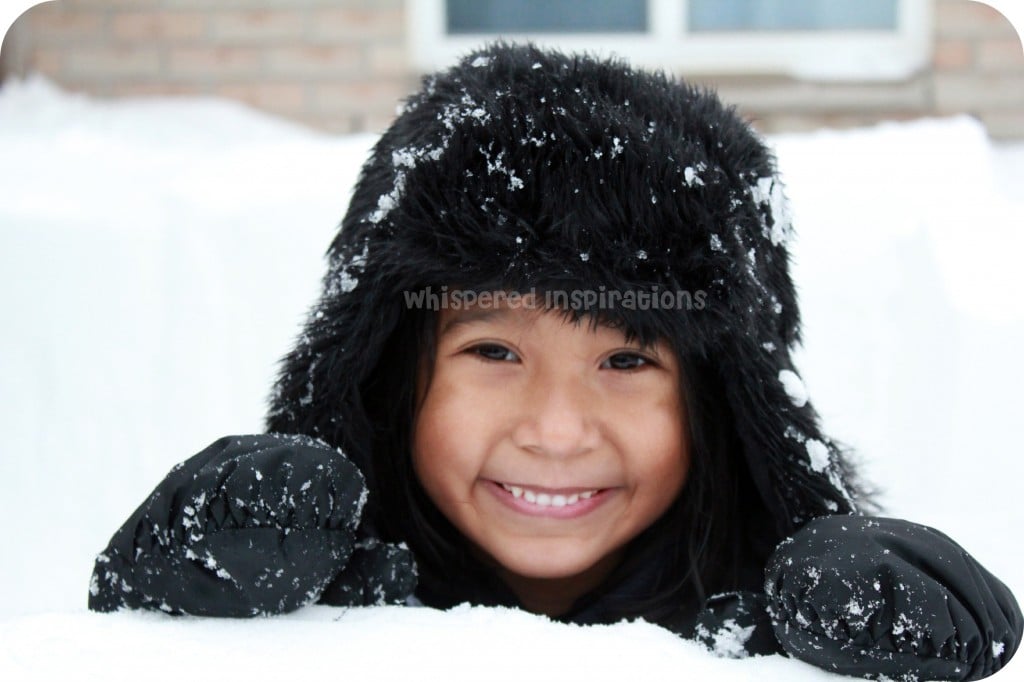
(832, 55)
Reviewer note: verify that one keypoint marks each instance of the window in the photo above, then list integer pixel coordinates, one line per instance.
(545, 16)
(820, 39)
(791, 15)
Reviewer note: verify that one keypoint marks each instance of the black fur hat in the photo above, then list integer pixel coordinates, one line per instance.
(523, 168)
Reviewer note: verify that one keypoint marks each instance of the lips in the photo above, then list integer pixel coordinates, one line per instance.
(558, 503)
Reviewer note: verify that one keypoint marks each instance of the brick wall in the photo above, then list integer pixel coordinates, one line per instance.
(979, 67)
(339, 65)
(342, 65)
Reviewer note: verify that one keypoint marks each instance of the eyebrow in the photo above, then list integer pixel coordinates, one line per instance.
(471, 316)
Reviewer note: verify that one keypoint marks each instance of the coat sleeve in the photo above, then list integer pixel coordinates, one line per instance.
(885, 598)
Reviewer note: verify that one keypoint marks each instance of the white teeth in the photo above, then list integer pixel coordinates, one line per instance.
(545, 499)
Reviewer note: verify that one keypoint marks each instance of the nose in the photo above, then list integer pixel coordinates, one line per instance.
(558, 417)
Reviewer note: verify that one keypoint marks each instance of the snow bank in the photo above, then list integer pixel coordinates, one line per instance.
(384, 643)
(907, 260)
(157, 257)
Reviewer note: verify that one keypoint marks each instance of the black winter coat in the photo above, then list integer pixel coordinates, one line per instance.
(527, 170)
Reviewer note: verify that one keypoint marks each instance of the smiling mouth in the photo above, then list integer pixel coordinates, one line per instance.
(547, 498)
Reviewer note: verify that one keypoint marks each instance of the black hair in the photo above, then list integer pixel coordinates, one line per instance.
(700, 546)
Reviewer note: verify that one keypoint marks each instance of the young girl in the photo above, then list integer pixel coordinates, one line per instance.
(554, 337)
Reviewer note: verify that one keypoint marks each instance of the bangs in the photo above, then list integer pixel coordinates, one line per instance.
(644, 327)
(643, 315)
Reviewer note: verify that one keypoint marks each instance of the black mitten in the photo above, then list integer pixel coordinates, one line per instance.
(251, 525)
(885, 598)
(736, 625)
(378, 573)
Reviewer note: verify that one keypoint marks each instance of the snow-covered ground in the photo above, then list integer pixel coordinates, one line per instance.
(157, 256)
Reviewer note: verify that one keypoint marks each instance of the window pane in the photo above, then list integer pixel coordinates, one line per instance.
(791, 15)
(546, 16)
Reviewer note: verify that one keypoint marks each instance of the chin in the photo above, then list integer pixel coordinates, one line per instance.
(543, 563)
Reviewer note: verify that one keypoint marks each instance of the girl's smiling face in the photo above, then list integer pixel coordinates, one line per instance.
(548, 444)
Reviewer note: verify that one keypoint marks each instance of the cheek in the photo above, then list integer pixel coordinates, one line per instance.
(429, 449)
(660, 456)
(444, 442)
(672, 464)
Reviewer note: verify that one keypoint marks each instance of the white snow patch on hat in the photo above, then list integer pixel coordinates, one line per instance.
(768, 190)
(794, 387)
(691, 175)
(818, 453)
(347, 281)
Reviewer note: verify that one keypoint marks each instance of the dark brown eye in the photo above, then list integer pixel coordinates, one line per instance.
(625, 361)
(493, 351)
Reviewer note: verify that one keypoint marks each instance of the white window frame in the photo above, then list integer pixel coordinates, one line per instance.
(867, 55)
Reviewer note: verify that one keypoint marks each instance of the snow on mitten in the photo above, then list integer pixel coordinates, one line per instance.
(736, 625)
(251, 525)
(889, 599)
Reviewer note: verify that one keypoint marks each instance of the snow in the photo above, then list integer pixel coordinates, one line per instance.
(616, 147)
(769, 191)
(730, 640)
(324, 642)
(158, 257)
(691, 178)
(793, 386)
(818, 454)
